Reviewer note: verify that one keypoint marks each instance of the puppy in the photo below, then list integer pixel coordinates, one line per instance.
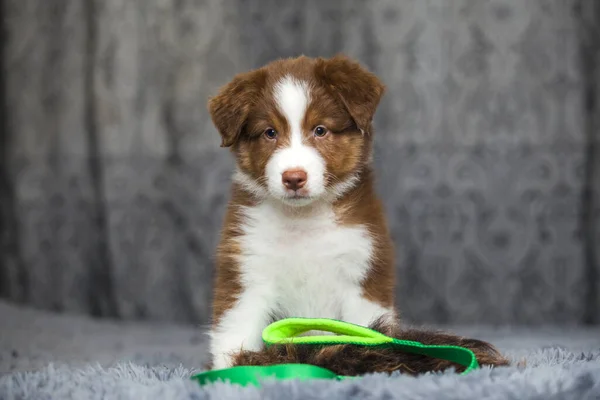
(304, 234)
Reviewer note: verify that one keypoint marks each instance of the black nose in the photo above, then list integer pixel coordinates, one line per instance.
(294, 179)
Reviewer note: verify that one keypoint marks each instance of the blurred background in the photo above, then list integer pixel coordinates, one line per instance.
(113, 185)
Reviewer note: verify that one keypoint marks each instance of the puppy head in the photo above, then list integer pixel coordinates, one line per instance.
(300, 128)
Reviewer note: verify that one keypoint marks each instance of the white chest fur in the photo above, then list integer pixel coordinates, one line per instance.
(306, 264)
(295, 265)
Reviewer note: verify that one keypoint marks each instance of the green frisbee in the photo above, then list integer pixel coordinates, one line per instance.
(287, 331)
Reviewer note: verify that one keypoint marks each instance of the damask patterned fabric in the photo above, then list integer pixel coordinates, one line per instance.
(113, 185)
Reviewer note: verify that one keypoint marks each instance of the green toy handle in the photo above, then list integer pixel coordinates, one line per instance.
(287, 331)
(254, 375)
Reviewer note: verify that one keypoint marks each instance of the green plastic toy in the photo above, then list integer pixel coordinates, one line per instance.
(287, 331)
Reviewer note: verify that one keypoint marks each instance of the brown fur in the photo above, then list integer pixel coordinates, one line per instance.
(227, 283)
(361, 206)
(358, 89)
(231, 108)
(344, 99)
(353, 360)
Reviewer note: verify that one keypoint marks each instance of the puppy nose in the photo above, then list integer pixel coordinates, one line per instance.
(294, 179)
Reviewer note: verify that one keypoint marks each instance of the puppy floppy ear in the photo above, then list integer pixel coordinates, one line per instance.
(230, 108)
(358, 89)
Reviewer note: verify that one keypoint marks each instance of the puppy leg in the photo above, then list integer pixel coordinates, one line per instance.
(360, 311)
(240, 328)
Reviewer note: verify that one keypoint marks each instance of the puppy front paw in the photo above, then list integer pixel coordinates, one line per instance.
(221, 361)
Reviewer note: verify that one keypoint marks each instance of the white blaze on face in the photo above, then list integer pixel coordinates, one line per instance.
(292, 97)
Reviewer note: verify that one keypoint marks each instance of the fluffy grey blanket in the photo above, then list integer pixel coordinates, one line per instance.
(46, 356)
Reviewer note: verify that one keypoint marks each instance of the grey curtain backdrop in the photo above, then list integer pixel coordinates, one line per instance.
(113, 185)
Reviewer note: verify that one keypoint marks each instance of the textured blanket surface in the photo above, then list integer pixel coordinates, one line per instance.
(50, 356)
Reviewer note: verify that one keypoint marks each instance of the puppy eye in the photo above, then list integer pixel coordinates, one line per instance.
(320, 131)
(271, 133)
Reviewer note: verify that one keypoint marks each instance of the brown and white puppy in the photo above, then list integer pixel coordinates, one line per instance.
(305, 234)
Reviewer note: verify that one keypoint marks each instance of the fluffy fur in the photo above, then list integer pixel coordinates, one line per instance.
(352, 360)
(321, 249)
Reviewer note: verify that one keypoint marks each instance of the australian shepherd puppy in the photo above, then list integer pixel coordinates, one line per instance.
(305, 233)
